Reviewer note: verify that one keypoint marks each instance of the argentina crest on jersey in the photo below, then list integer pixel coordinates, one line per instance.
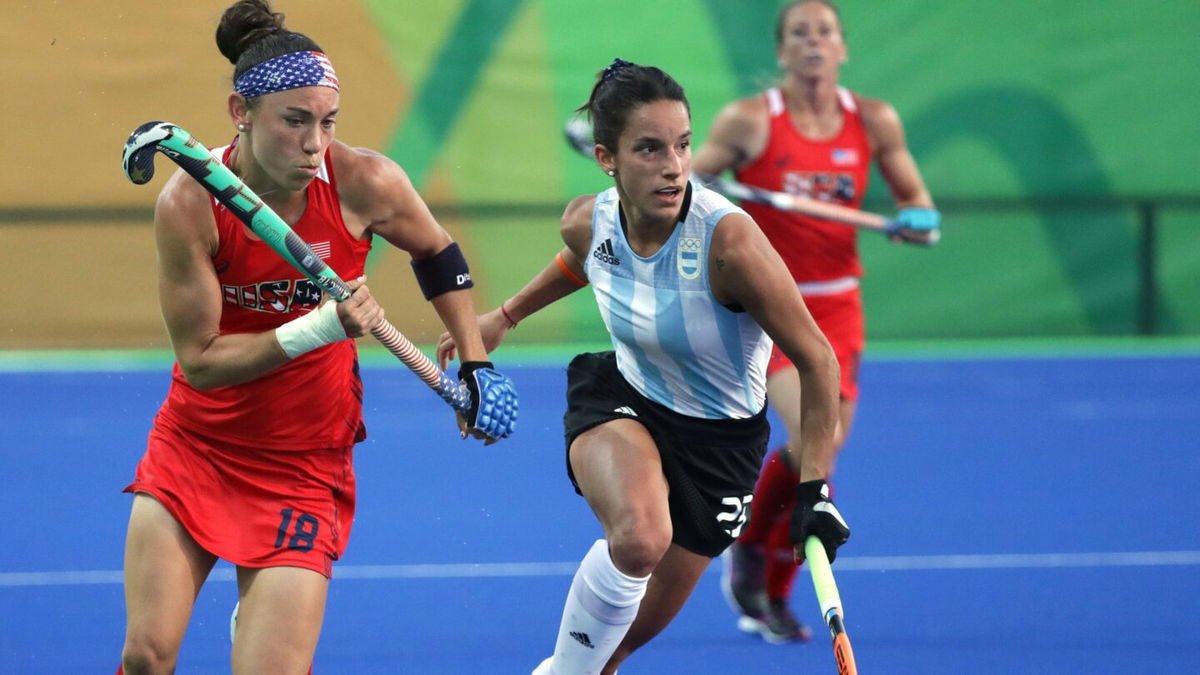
(687, 257)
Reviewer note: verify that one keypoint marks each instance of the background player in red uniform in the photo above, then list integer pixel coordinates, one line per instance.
(809, 136)
(250, 456)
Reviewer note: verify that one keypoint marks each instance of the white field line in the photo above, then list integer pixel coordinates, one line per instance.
(551, 569)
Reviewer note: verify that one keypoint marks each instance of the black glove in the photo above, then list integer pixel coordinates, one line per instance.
(816, 515)
(493, 399)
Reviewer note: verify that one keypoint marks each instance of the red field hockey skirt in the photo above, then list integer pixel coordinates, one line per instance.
(252, 507)
(840, 318)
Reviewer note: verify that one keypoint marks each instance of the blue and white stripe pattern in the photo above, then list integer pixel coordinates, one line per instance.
(287, 71)
(674, 342)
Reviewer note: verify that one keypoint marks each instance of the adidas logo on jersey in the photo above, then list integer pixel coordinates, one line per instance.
(625, 410)
(583, 639)
(604, 253)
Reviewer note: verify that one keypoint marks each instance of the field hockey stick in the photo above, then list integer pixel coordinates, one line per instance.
(579, 135)
(199, 163)
(831, 604)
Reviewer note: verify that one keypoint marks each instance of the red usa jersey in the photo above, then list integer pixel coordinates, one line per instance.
(833, 170)
(312, 401)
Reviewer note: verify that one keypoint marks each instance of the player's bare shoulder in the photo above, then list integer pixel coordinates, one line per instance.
(747, 110)
(182, 196)
(735, 234)
(880, 118)
(184, 211)
(372, 186)
(576, 226)
(739, 134)
(579, 212)
(362, 172)
(748, 116)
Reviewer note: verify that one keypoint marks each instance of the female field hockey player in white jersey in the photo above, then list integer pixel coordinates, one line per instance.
(666, 433)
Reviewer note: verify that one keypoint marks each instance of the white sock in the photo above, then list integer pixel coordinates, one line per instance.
(600, 607)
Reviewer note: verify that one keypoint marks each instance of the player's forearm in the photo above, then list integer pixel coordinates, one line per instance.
(230, 359)
(904, 181)
(920, 199)
(457, 312)
(819, 420)
(549, 286)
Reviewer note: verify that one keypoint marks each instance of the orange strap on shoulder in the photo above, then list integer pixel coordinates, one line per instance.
(562, 266)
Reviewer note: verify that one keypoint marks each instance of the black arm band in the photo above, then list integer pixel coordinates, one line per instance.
(443, 272)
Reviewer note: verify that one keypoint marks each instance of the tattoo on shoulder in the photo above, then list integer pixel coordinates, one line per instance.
(720, 263)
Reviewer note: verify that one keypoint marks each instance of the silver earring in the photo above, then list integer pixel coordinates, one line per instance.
(241, 127)
(611, 172)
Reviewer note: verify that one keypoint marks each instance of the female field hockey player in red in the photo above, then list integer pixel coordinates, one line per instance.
(665, 434)
(812, 137)
(250, 456)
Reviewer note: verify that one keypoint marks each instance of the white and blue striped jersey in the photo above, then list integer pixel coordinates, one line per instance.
(674, 342)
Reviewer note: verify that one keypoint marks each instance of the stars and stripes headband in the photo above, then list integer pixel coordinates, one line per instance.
(287, 71)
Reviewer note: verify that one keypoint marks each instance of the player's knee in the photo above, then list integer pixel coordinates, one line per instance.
(637, 546)
(147, 656)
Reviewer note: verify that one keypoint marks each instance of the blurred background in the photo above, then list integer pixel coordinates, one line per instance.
(1060, 141)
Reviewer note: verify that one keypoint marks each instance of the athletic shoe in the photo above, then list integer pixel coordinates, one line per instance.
(743, 581)
(779, 626)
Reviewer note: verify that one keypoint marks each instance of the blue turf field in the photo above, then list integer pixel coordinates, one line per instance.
(1010, 515)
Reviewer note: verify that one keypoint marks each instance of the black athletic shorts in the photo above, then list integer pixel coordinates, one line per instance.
(710, 465)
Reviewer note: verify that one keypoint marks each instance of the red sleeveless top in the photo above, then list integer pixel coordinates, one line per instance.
(312, 401)
(834, 170)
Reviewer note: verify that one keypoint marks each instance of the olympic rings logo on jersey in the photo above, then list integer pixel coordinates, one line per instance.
(687, 257)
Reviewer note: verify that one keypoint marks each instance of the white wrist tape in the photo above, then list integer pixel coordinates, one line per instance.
(315, 329)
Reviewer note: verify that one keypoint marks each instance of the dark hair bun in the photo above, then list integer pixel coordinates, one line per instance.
(243, 23)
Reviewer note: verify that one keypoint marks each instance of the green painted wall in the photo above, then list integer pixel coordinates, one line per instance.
(1045, 111)
(1047, 131)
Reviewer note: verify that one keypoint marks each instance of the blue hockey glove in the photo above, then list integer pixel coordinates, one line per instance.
(922, 225)
(816, 515)
(493, 399)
